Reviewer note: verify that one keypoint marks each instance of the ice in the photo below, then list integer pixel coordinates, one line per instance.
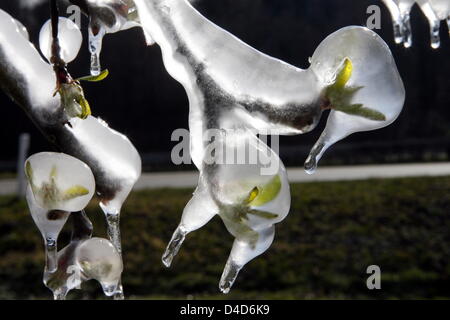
(107, 16)
(98, 259)
(232, 86)
(59, 181)
(434, 10)
(250, 198)
(374, 74)
(85, 259)
(68, 275)
(442, 10)
(70, 39)
(50, 224)
(57, 185)
(400, 11)
(30, 82)
(433, 21)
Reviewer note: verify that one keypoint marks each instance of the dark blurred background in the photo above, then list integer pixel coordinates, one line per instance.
(335, 229)
(142, 101)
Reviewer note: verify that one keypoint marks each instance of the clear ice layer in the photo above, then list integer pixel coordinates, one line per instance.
(238, 92)
(70, 39)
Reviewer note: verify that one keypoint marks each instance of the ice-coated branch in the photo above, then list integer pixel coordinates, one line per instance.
(30, 82)
(238, 91)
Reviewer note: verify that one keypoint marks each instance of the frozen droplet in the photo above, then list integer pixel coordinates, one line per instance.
(59, 181)
(70, 39)
(98, 259)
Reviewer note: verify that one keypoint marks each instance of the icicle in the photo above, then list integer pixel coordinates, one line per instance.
(95, 48)
(441, 8)
(174, 246)
(113, 230)
(396, 20)
(433, 21)
(107, 16)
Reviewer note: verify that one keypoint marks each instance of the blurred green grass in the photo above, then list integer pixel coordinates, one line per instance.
(322, 250)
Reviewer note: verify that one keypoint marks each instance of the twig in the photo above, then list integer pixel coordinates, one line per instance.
(59, 66)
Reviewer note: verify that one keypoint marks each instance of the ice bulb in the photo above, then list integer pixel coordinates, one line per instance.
(59, 181)
(70, 39)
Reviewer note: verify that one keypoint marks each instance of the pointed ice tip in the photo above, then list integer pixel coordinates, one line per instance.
(225, 290)
(310, 165)
(109, 290)
(229, 276)
(167, 260)
(174, 246)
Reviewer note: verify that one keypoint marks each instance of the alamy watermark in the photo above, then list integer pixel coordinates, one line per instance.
(374, 19)
(374, 280)
(230, 147)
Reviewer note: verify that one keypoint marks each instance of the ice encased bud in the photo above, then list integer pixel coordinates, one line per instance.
(59, 181)
(70, 39)
(98, 259)
(374, 72)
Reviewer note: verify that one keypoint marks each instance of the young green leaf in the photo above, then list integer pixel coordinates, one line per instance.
(359, 110)
(263, 214)
(344, 75)
(29, 171)
(267, 192)
(98, 78)
(85, 108)
(75, 192)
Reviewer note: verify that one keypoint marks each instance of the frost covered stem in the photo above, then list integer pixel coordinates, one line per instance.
(59, 66)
